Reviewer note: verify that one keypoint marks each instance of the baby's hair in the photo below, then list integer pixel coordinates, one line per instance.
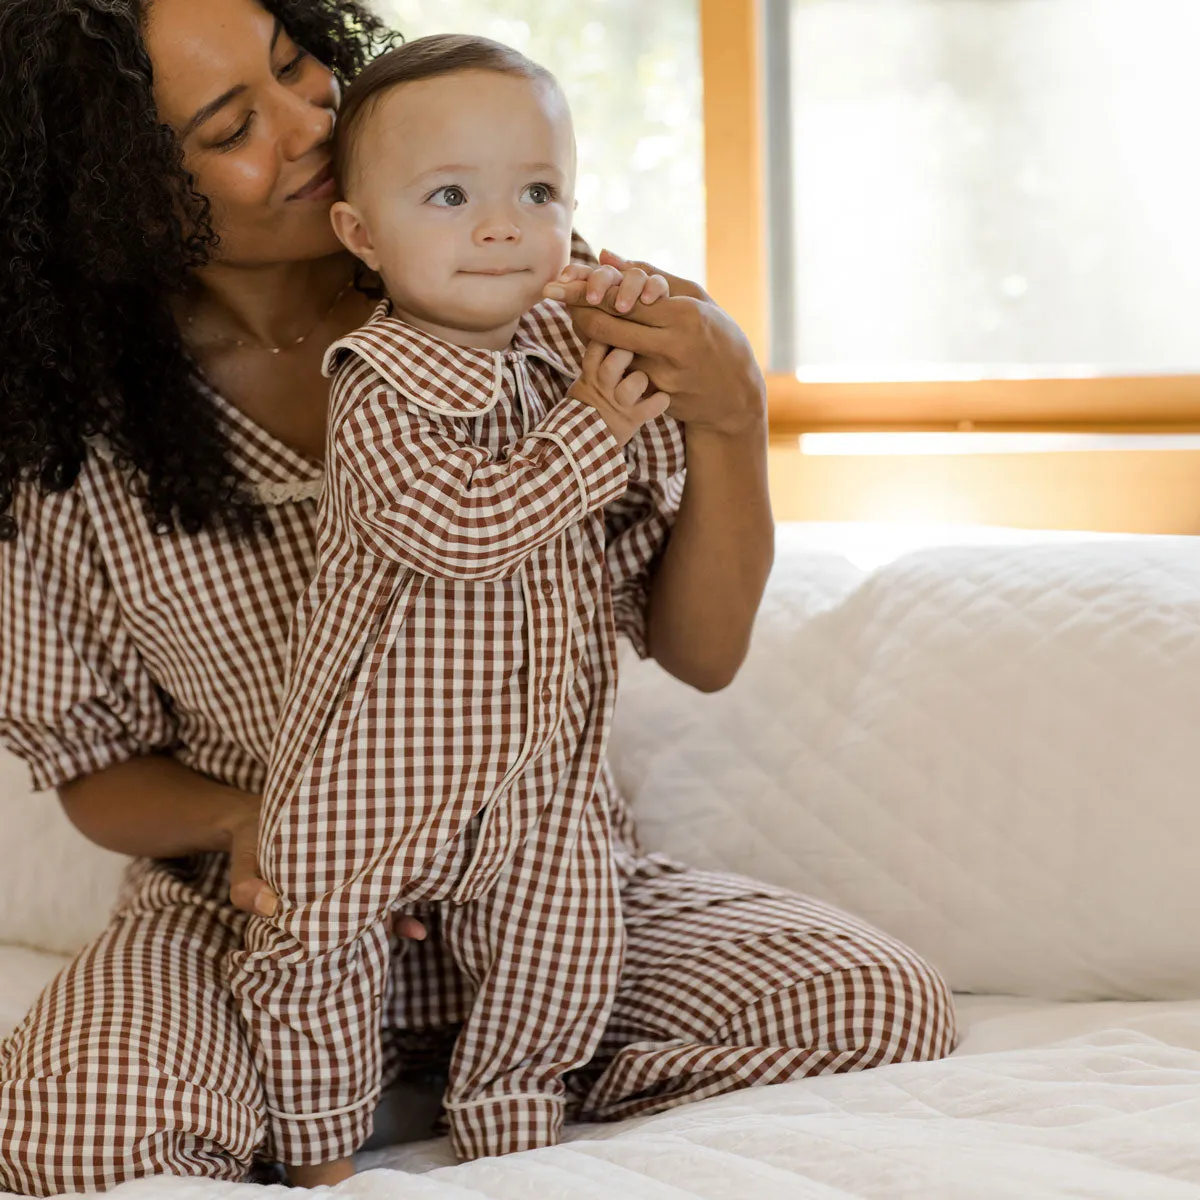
(425, 58)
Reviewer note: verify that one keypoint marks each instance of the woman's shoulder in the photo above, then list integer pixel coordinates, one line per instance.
(54, 527)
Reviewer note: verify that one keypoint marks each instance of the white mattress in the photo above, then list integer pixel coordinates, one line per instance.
(1040, 1100)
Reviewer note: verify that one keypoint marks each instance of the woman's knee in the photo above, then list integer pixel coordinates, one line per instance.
(131, 1063)
(889, 1007)
(94, 1127)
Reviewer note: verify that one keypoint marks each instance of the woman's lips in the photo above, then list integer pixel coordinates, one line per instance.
(320, 187)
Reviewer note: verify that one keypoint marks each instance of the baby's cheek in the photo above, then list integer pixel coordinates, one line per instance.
(557, 256)
(425, 255)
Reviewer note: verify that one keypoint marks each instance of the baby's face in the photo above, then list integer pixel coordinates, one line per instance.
(465, 189)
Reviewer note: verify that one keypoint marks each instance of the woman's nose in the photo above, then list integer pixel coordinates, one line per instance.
(305, 126)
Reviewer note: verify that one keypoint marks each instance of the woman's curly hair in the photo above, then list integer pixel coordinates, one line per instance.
(100, 225)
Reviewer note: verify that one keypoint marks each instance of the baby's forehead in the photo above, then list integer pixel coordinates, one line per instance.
(473, 95)
(469, 115)
(478, 115)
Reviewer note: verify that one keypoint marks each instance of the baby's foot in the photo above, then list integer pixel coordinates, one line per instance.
(325, 1175)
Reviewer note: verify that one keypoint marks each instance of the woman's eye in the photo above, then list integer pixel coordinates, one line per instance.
(449, 197)
(539, 193)
(237, 137)
(294, 66)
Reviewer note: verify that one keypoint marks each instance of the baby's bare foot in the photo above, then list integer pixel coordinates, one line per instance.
(325, 1175)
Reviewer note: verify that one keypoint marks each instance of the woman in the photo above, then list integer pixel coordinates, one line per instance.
(168, 283)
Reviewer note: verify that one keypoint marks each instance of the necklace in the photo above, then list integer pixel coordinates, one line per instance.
(243, 342)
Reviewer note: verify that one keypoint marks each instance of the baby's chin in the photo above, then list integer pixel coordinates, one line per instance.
(482, 316)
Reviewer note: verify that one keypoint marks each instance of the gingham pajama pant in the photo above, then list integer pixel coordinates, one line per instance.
(541, 952)
(134, 1061)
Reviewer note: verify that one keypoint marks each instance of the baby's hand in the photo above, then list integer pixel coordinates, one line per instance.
(622, 288)
(619, 398)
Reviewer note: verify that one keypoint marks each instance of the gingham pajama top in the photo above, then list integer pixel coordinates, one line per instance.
(443, 731)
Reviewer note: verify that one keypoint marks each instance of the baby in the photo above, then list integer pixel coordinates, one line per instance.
(453, 664)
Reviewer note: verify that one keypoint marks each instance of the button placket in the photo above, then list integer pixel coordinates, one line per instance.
(516, 366)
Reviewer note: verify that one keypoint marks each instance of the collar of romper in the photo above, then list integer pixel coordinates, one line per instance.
(449, 380)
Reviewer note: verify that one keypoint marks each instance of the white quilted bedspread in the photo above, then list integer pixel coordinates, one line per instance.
(1112, 1113)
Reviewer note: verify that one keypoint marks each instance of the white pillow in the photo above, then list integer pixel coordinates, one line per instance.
(992, 753)
(56, 888)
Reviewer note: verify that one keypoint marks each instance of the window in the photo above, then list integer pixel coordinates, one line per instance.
(974, 213)
(631, 70)
(928, 215)
(987, 186)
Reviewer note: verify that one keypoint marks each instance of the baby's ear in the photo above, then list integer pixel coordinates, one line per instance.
(353, 233)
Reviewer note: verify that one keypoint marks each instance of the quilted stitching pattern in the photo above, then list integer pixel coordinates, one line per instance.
(56, 887)
(992, 753)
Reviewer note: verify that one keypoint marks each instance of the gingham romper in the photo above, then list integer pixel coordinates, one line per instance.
(443, 733)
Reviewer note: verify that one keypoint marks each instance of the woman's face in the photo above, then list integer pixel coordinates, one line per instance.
(254, 114)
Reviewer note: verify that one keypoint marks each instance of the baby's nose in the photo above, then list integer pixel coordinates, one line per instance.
(497, 229)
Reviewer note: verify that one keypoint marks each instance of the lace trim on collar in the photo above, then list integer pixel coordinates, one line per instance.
(271, 494)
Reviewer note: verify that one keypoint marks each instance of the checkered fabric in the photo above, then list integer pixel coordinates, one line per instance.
(442, 735)
(116, 642)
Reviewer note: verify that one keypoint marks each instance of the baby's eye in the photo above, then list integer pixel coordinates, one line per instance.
(448, 197)
(539, 193)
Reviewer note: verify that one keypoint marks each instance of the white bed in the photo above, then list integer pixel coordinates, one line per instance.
(1041, 1099)
(992, 751)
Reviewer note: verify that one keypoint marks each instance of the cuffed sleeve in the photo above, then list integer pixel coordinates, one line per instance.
(504, 1125)
(75, 696)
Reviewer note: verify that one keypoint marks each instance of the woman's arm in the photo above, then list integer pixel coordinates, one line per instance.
(154, 807)
(710, 581)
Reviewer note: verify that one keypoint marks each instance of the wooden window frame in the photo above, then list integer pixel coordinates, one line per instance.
(737, 257)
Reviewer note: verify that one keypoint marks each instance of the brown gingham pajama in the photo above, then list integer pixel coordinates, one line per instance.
(115, 642)
(443, 731)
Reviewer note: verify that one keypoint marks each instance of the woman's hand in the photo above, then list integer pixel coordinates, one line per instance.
(248, 890)
(688, 346)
